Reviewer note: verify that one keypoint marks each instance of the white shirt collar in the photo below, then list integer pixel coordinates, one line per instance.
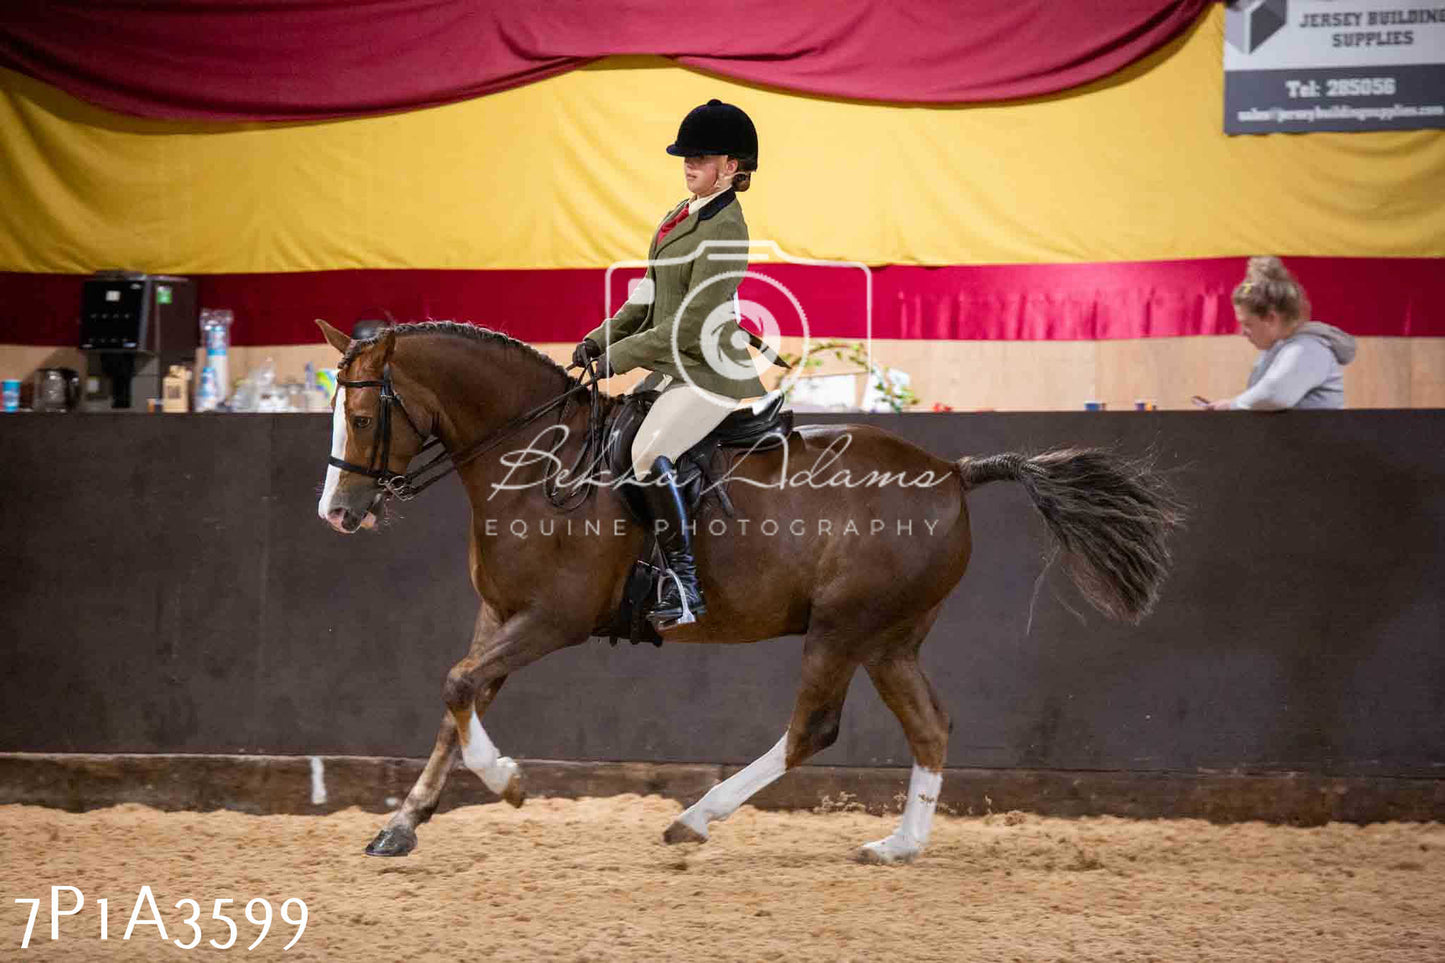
(697, 203)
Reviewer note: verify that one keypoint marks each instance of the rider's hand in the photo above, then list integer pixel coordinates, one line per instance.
(585, 350)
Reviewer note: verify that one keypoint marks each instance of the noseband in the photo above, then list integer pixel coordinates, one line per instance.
(405, 486)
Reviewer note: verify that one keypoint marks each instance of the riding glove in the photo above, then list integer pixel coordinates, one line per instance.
(585, 350)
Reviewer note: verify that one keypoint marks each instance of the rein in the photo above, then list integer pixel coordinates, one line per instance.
(405, 486)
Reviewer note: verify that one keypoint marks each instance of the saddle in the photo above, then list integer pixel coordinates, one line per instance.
(756, 428)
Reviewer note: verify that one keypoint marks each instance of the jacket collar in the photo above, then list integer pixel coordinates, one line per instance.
(691, 222)
(723, 200)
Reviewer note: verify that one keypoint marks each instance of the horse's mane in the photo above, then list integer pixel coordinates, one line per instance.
(470, 332)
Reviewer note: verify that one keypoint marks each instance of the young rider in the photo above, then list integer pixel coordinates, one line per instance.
(679, 323)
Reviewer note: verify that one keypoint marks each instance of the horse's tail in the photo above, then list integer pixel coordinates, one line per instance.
(1109, 515)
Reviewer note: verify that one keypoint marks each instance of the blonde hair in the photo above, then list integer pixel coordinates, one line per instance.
(1268, 286)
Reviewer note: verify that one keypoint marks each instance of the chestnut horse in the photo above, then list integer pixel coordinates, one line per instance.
(825, 491)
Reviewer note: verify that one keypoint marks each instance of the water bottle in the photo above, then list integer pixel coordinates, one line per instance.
(216, 327)
(316, 399)
(207, 395)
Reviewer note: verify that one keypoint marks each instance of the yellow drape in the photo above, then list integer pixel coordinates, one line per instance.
(570, 172)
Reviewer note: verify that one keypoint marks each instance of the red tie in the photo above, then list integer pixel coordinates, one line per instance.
(670, 223)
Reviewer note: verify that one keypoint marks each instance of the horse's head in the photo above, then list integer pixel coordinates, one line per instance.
(373, 435)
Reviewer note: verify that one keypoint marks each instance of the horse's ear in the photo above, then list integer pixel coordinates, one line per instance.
(387, 340)
(334, 337)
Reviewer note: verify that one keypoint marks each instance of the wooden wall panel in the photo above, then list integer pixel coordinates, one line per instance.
(1427, 373)
(1169, 371)
(972, 375)
(1001, 375)
(1380, 375)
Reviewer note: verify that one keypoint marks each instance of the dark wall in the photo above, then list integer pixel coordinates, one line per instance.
(168, 587)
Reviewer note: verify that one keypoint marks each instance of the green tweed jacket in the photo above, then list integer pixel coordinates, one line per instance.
(643, 331)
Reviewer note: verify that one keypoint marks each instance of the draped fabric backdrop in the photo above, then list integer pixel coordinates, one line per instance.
(1115, 210)
(310, 59)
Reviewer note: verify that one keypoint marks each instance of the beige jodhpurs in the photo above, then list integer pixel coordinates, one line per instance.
(680, 418)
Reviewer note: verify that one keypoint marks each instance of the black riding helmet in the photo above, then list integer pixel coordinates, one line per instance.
(718, 128)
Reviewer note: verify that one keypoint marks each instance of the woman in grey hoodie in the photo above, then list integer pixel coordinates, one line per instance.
(1301, 362)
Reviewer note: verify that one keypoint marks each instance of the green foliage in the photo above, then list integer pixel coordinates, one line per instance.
(897, 397)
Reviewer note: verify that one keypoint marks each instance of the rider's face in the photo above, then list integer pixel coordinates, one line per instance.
(705, 173)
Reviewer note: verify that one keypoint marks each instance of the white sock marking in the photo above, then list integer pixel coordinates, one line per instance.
(723, 799)
(318, 782)
(482, 758)
(923, 789)
(913, 829)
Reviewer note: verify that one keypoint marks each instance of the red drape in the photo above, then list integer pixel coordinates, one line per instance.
(307, 59)
(1365, 296)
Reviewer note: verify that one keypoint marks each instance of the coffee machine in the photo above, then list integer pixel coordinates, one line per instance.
(133, 327)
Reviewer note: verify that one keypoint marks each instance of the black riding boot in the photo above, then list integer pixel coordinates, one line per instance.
(680, 600)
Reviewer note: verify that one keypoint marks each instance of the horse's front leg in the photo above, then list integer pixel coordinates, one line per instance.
(499, 773)
(472, 683)
(398, 836)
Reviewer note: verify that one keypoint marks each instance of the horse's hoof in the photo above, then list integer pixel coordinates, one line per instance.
(884, 853)
(515, 793)
(392, 841)
(681, 832)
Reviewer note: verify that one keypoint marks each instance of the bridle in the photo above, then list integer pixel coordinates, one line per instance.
(405, 486)
(392, 483)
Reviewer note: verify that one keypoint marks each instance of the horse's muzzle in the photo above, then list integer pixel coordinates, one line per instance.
(345, 521)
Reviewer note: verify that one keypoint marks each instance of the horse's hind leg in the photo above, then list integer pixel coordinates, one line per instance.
(813, 728)
(913, 700)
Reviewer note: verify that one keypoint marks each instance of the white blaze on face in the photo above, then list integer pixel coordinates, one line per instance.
(338, 450)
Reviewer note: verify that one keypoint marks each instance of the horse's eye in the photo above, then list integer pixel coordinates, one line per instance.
(360, 422)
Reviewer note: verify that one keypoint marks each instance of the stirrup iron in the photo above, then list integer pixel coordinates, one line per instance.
(686, 617)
